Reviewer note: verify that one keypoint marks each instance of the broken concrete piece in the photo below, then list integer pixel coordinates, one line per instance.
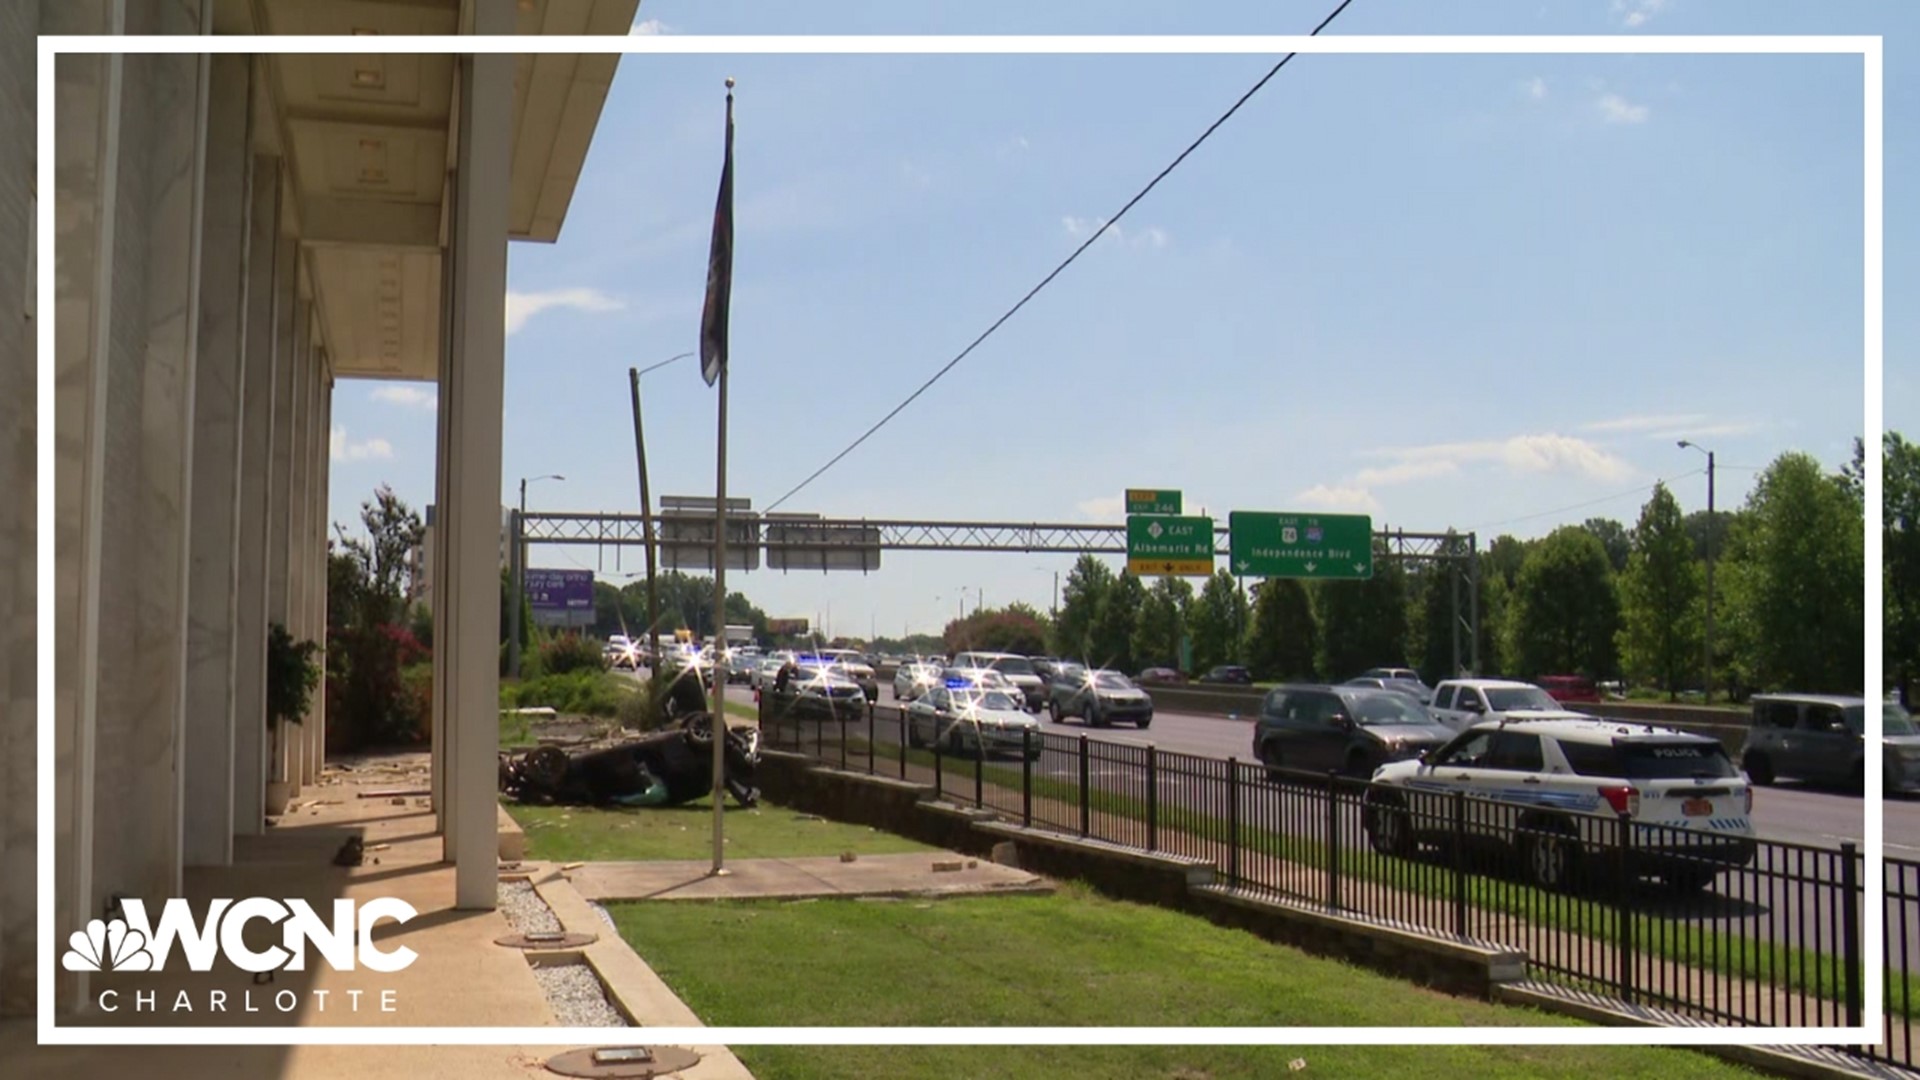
(946, 866)
(848, 856)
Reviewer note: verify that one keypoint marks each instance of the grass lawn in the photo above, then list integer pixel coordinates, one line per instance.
(584, 834)
(1071, 959)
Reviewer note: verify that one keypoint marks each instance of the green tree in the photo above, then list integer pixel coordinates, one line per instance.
(1900, 562)
(1162, 623)
(1112, 637)
(1795, 573)
(1660, 596)
(1283, 641)
(1086, 589)
(1362, 624)
(1016, 628)
(1614, 537)
(383, 557)
(1504, 557)
(1218, 620)
(1565, 613)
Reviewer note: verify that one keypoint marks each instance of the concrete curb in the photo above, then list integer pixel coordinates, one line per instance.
(634, 988)
(1832, 1064)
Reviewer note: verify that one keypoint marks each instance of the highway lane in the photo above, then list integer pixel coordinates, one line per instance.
(1789, 812)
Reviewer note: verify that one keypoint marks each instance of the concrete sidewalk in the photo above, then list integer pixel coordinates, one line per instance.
(459, 979)
(911, 874)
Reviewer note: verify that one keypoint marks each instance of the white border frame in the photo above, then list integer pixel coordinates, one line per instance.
(1868, 48)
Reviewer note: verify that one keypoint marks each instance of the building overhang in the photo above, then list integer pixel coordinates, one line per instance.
(367, 140)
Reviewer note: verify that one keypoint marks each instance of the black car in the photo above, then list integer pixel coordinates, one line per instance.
(1229, 673)
(1351, 729)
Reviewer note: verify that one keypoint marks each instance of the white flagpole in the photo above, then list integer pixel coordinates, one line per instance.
(720, 639)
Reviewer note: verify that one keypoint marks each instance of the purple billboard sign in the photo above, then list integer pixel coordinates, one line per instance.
(561, 597)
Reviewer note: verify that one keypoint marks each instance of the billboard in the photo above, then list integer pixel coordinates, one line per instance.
(786, 627)
(560, 597)
(803, 542)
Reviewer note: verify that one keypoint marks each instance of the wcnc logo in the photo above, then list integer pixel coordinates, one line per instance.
(133, 943)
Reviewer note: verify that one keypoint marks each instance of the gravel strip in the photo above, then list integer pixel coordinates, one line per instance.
(524, 909)
(605, 915)
(576, 997)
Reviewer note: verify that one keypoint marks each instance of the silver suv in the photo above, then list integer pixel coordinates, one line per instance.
(1821, 737)
(1555, 792)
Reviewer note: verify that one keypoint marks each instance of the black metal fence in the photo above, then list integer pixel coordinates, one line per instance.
(1758, 934)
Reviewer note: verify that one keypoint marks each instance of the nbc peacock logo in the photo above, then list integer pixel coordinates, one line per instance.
(107, 946)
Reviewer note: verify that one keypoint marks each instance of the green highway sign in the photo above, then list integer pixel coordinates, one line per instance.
(1146, 501)
(1161, 545)
(1300, 545)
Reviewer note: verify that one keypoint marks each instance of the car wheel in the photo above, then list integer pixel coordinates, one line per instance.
(1693, 880)
(1143, 722)
(1551, 856)
(1759, 767)
(1095, 717)
(1357, 766)
(1270, 757)
(1389, 829)
(1053, 710)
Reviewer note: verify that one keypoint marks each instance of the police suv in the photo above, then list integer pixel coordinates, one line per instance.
(1562, 793)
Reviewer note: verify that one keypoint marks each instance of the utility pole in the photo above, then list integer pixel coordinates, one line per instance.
(1707, 683)
(517, 557)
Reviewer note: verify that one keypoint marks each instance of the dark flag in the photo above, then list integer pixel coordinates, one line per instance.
(713, 318)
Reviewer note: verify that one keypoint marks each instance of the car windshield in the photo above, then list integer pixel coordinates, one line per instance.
(1372, 709)
(1509, 698)
(1894, 720)
(1111, 680)
(1675, 761)
(1013, 665)
(984, 699)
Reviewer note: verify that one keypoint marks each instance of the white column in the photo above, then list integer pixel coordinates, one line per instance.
(87, 173)
(256, 435)
(286, 335)
(314, 583)
(470, 514)
(436, 559)
(214, 532)
(299, 513)
(18, 513)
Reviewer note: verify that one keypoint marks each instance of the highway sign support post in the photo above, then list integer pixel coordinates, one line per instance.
(1164, 545)
(1296, 545)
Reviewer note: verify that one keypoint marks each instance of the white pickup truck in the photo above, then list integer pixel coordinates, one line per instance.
(1461, 703)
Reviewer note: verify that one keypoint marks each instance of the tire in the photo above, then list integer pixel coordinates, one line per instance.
(1053, 710)
(1759, 768)
(1550, 856)
(1389, 828)
(1094, 719)
(1691, 880)
(1270, 757)
(1357, 766)
(1141, 724)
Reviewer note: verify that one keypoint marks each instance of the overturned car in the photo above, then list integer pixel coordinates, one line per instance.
(668, 767)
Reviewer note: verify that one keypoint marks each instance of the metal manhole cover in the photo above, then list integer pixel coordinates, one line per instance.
(623, 1062)
(546, 940)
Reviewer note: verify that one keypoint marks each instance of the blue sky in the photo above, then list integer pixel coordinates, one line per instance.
(1479, 292)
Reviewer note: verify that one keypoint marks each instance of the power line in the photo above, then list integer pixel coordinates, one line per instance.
(1044, 282)
(1589, 502)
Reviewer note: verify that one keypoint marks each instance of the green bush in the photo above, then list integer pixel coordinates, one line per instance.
(569, 653)
(592, 693)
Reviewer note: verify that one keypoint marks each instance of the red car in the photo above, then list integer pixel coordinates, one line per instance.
(1571, 689)
(1161, 676)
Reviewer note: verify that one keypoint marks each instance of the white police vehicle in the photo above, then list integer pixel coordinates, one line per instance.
(1557, 792)
(962, 716)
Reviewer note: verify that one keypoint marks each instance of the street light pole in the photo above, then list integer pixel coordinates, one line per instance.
(646, 514)
(517, 556)
(1707, 686)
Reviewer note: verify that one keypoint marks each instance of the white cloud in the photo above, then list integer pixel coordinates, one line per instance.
(1404, 472)
(1338, 498)
(1644, 422)
(1108, 509)
(1615, 109)
(341, 450)
(1536, 88)
(524, 306)
(1545, 453)
(651, 26)
(1637, 13)
(1151, 236)
(413, 397)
